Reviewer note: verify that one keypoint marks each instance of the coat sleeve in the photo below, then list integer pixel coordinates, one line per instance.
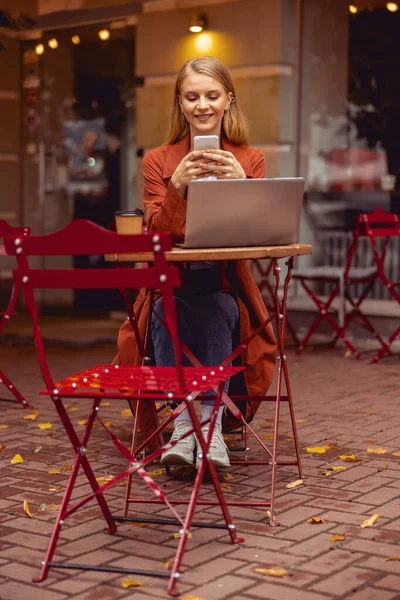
(165, 208)
(258, 163)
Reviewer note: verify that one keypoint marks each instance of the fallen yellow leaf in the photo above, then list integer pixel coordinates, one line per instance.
(301, 420)
(290, 437)
(294, 484)
(137, 524)
(17, 459)
(350, 458)
(62, 469)
(327, 473)
(273, 571)
(178, 534)
(392, 558)
(53, 506)
(229, 476)
(4, 426)
(73, 408)
(108, 423)
(33, 416)
(376, 450)
(192, 598)
(105, 403)
(82, 422)
(104, 479)
(267, 436)
(315, 520)
(127, 583)
(58, 488)
(317, 449)
(26, 508)
(336, 468)
(369, 522)
(226, 486)
(3, 448)
(331, 446)
(338, 538)
(168, 564)
(156, 472)
(126, 412)
(397, 453)
(45, 425)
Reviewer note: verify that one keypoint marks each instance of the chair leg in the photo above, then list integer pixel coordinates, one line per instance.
(13, 390)
(80, 447)
(324, 314)
(386, 347)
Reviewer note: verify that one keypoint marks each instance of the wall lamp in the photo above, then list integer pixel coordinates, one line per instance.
(197, 23)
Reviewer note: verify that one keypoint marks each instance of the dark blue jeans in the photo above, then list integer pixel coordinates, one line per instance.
(208, 323)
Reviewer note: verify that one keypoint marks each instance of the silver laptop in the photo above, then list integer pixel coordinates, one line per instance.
(243, 212)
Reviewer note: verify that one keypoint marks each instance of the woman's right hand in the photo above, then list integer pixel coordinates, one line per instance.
(189, 169)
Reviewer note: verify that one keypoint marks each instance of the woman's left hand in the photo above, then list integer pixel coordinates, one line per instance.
(223, 164)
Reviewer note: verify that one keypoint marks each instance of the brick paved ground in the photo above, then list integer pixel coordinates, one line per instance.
(348, 403)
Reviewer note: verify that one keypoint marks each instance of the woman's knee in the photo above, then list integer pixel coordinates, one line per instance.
(221, 307)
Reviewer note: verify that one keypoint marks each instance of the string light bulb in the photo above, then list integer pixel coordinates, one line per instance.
(392, 6)
(76, 39)
(104, 35)
(53, 43)
(39, 49)
(353, 9)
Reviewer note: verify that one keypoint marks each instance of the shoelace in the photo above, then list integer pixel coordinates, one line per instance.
(216, 439)
(179, 432)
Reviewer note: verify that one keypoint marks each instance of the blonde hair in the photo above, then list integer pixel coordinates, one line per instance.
(234, 123)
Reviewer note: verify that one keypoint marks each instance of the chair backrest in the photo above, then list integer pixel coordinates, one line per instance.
(10, 230)
(82, 237)
(378, 224)
(374, 225)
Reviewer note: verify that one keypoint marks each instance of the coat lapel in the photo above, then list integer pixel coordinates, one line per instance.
(176, 152)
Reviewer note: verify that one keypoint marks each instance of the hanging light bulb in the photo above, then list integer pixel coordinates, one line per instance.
(197, 23)
(104, 34)
(53, 43)
(353, 9)
(76, 39)
(392, 6)
(39, 49)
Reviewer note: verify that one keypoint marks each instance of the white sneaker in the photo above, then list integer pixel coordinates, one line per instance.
(183, 452)
(218, 449)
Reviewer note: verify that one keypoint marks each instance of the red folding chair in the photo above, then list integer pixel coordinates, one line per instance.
(348, 278)
(15, 233)
(142, 383)
(380, 227)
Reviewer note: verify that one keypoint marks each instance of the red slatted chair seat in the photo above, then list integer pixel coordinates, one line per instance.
(113, 381)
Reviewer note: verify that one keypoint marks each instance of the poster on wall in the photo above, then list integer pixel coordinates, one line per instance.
(85, 146)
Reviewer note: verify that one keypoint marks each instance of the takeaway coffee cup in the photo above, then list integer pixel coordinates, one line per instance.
(129, 221)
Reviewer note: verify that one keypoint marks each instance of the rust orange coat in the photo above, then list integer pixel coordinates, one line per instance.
(166, 211)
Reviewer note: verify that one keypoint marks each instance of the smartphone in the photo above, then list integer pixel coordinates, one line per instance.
(206, 142)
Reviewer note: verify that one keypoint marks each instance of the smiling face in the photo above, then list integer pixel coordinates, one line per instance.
(203, 101)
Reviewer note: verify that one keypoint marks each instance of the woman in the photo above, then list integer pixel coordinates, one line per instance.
(219, 303)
